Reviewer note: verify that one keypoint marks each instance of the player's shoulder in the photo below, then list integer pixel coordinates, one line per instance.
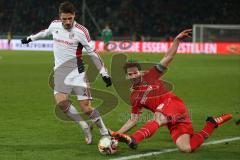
(81, 30)
(153, 71)
(147, 72)
(56, 22)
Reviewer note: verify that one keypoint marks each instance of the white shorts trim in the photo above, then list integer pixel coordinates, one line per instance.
(79, 97)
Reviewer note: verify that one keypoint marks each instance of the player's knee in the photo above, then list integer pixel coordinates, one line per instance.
(159, 122)
(86, 107)
(160, 119)
(64, 105)
(185, 148)
(87, 110)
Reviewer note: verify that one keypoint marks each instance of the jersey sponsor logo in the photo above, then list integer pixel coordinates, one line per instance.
(62, 41)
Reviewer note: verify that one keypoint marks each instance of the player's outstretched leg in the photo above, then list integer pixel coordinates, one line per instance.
(145, 132)
(130, 141)
(211, 123)
(72, 113)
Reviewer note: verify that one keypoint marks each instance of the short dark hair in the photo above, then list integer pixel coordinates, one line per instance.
(66, 7)
(130, 64)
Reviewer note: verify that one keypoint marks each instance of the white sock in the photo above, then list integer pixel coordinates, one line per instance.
(74, 115)
(96, 118)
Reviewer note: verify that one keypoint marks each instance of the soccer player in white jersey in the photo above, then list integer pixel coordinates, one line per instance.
(69, 38)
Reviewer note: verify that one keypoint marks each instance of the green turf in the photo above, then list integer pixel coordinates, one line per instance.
(29, 129)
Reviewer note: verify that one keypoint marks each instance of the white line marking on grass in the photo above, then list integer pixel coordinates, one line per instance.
(174, 149)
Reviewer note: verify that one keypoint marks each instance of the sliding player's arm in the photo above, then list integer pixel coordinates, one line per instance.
(136, 112)
(130, 123)
(85, 41)
(173, 49)
(39, 35)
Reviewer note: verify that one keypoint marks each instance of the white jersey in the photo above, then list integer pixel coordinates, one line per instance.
(68, 45)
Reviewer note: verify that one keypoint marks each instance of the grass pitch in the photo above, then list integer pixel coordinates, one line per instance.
(29, 128)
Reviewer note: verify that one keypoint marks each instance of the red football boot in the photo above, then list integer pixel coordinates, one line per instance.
(125, 139)
(121, 137)
(219, 120)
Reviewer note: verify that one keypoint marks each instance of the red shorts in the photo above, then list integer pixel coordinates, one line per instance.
(179, 122)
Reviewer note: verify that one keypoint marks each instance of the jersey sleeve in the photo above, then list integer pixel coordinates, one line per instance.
(155, 73)
(85, 40)
(42, 34)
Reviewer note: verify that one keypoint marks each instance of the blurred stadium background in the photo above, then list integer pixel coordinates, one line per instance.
(128, 19)
(131, 20)
(208, 83)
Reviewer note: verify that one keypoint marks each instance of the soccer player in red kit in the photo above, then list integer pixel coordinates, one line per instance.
(149, 92)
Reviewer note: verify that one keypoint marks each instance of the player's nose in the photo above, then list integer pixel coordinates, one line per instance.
(133, 76)
(68, 22)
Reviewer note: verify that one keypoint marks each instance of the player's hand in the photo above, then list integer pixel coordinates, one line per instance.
(26, 40)
(184, 34)
(107, 80)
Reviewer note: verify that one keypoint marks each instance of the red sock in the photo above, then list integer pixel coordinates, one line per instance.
(198, 138)
(146, 131)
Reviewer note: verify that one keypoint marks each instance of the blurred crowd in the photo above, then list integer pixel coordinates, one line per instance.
(139, 19)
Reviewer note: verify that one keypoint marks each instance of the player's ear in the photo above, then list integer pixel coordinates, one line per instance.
(142, 72)
(60, 16)
(127, 77)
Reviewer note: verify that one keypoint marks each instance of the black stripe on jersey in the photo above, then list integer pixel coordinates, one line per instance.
(160, 68)
(80, 63)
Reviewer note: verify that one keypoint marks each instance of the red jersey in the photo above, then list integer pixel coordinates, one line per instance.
(154, 94)
(151, 92)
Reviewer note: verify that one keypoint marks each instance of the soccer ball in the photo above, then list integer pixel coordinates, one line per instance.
(107, 145)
